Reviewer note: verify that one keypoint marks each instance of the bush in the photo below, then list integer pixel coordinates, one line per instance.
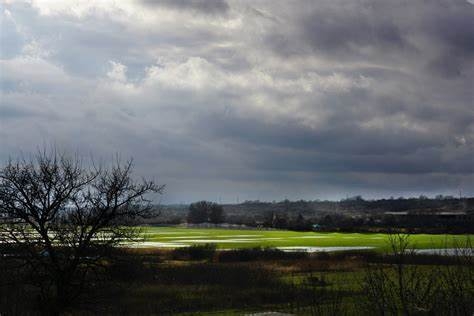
(195, 252)
(258, 253)
(222, 275)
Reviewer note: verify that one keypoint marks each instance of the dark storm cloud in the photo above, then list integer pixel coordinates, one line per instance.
(379, 30)
(342, 148)
(258, 99)
(341, 29)
(342, 138)
(454, 31)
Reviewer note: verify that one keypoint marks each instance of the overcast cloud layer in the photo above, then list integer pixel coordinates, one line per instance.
(250, 99)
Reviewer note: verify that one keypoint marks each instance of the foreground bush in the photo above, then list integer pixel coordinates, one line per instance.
(258, 253)
(195, 252)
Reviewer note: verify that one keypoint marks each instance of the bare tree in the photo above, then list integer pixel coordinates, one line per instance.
(63, 218)
(458, 280)
(400, 286)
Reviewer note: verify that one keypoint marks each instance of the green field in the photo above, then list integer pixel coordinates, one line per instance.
(173, 237)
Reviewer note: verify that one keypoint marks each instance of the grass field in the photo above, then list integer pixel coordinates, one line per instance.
(173, 237)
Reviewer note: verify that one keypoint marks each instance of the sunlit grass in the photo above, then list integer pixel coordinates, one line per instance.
(240, 238)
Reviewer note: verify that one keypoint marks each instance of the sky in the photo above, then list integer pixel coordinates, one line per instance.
(243, 100)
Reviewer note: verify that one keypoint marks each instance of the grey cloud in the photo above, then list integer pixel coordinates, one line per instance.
(382, 31)
(12, 112)
(338, 29)
(335, 31)
(455, 33)
(285, 114)
(210, 7)
(11, 41)
(341, 138)
(453, 27)
(290, 146)
(84, 47)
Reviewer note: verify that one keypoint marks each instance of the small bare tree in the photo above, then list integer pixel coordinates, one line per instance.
(458, 281)
(399, 286)
(61, 219)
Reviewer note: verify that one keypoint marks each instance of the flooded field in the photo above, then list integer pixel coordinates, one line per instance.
(175, 237)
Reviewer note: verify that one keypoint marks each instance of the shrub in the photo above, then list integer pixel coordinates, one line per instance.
(195, 252)
(258, 253)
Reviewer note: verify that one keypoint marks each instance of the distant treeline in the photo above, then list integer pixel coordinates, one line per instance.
(423, 214)
(357, 204)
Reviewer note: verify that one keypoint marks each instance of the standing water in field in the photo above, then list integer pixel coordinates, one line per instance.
(446, 251)
(321, 249)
